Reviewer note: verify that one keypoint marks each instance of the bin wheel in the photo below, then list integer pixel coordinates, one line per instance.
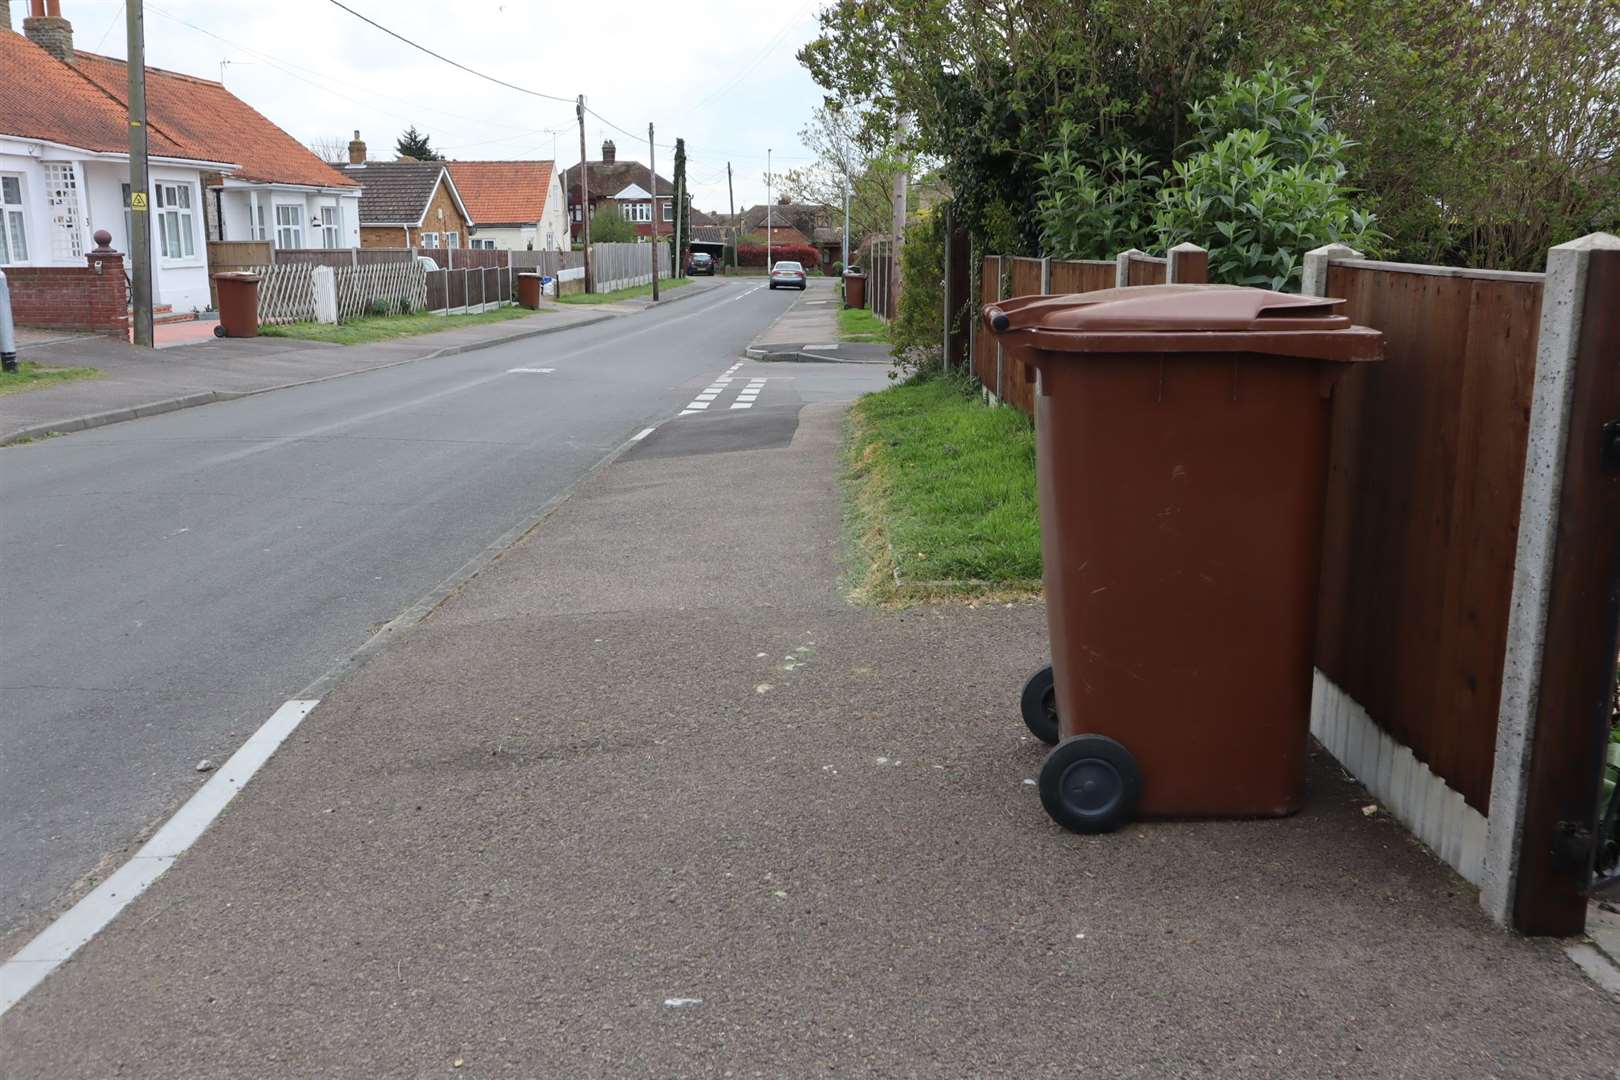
(1039, 706)
(1090, 784)
(219, 331)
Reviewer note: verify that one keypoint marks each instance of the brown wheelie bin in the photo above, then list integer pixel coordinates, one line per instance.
(1182, 448)
(238, 304)
(854, 289)
(528, 290)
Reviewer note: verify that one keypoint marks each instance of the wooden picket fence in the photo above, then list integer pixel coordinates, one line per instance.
(286, 292)
(397, 286)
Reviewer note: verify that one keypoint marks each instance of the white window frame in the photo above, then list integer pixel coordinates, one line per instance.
(669, 210)
(452, 240)
(331, 222)
(174, 200)
(428, 240)
(289, 226)
(14, 223)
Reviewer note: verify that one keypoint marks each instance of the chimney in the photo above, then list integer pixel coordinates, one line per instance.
(357, 150)
(47, 29)
(607, 151)
(5, 14)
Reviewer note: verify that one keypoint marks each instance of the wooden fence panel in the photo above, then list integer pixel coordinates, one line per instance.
(1017, 389)
(286, 293)
(333, 257)
(397, 286)
(1422, 507)
(1146, 270)
(984, 342)
(1084, 275)
(225, 256)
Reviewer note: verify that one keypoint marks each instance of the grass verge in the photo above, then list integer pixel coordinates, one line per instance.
(383, 327)
(858, 324)
(30, 376)
(623, 294)
(942, 496)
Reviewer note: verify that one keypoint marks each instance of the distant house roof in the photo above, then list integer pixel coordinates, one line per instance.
(711, 234)
(802, 216)
(504, 192)
(698, 217)
(782, 234)
(398, 192)
(203, 114)
(611, 176)
(43, 98)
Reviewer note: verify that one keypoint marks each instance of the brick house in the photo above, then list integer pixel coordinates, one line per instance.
(630, 186)
(408, 203)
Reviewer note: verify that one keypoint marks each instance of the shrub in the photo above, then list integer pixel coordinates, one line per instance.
(750, 254)
(609, 227)
(835, 268)
(1264, 185)
(917, 331)
(1094, 209)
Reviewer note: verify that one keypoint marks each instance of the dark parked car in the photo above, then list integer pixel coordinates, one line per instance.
(701, 263)
(789, 275)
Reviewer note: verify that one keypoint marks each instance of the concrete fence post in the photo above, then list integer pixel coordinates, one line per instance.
(8, 332)
(1122, 267)
(1001, 294)
(1542, 527)
(1186, 264)
(1317, 261)
(326, 305)
(1046, 276)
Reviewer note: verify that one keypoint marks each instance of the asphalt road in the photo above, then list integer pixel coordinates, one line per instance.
(165, 584)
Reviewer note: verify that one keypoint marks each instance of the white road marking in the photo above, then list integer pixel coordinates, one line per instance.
(84, 920)
(530, 370)
(743, 405)
(642, 434)
(822, 348)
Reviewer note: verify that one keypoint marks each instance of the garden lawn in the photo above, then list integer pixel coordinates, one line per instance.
(383, 327)
(623, 294)
(30, 376)
(942, 495)
(858, 324)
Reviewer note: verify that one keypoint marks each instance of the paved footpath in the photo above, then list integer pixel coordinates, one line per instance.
(648, 798)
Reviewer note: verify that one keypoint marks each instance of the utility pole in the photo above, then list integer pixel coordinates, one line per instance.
(140, 227)
(584, 191)
(846, 219)
(652, 168)
(680, 194)
(767, 210)
(731, 201)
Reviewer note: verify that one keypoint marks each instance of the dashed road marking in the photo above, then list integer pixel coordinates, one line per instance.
(530, 370)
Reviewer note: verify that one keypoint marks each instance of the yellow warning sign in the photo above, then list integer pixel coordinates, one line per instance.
(137, 200)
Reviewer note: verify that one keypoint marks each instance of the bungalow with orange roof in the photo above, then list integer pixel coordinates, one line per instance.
(518, 205)
(64, 166)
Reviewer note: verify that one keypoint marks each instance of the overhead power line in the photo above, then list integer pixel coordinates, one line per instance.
(454, 63)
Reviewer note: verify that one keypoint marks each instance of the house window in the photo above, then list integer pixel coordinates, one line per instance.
(13, 224)
(452, 239)
(486, 245)
(177, 238)
(669, 211)
(329, 226)
(289, 226)
(62, 208)
(430, 239)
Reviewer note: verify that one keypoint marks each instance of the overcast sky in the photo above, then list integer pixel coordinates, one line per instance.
(719, 73)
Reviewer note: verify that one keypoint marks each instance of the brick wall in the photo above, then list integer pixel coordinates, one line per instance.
(72, 297)
(392, 236)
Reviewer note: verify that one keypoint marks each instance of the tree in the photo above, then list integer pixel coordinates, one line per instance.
(608, 226)
(683, 207)
(833, 136)
(414, 144)
(332, 149)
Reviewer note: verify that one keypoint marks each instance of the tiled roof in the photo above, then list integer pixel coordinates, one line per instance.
(711, 234)
(611, 177)
(803, 216)
(503, 192)
(209, 118)
(397, 192)
(43, 98)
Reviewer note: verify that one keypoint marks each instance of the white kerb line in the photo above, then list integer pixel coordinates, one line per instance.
(84, 920)
(642, 434)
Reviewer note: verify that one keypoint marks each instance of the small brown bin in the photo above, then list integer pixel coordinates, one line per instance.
(854, 289)
(238, 304)
(528, 290)
(1181, 447)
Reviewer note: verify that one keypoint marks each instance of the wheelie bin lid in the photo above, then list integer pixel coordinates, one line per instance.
(238, 275)
(1186, 318)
